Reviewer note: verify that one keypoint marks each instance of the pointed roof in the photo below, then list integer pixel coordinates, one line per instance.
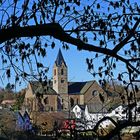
(26, 115)
(59, 60)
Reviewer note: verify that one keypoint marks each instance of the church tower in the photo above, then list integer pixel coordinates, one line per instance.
(60, 80)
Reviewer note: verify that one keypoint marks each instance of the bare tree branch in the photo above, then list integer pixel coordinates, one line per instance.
(131, 34)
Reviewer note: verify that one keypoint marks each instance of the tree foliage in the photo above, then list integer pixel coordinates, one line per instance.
(110, 29)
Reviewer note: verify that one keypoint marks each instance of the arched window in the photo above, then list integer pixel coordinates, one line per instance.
(62, 81)
(62, 71)
(54, 71)
(46, 101)
(71, 102)
(77, 100)
(94, 92)
(51, 108)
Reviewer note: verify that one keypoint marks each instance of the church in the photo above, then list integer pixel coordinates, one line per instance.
(60, 94)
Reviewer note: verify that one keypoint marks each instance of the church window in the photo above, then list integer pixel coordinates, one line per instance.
(54, 71)
(62, 81)
(77, 101)
(62, 71)
(54, 81)
(71, 102)
(94, 92)
(46, 101)
(62, 107)
(51, 108)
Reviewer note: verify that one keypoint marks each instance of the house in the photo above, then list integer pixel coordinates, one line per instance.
(87, 120)
(78, 111)
(23, 121)
(27, 121)
(19, 121)
(119, 113)
(8, 103)
(60, 94)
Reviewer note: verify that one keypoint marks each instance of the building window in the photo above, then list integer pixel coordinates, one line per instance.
(138, 109)
(62, 81)
(62, 107)
(54, 71)
(46, 101)
(94, 92)
(51, 108)
(71, 102)
(124, 111)
(62, 71)
(77, 101)
(116, 112)
(54, 81)
(47, 108)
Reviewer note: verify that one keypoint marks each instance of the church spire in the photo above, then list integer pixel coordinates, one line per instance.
(60, 76)
(60, 59)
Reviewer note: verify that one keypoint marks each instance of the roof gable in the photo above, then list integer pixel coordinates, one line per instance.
(80, 107)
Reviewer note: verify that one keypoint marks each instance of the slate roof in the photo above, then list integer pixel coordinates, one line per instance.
(42, 88)
(59, 60)
(97, 107)
(74, 88)
(79, 87)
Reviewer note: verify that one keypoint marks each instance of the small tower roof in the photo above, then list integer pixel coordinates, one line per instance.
(60, 59)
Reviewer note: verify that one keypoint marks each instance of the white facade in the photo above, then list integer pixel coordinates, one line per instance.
(89, 120)
(119, 113)
(77, 111)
